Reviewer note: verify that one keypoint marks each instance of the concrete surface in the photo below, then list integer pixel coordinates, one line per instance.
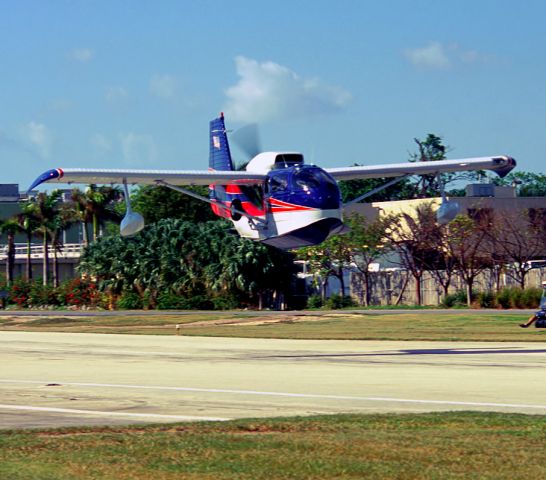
(56, 379)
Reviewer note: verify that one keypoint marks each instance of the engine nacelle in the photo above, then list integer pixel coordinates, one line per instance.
(447, 211)
(131, 224)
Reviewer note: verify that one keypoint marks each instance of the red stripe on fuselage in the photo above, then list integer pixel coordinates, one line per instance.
(233, 189)
(280, 206)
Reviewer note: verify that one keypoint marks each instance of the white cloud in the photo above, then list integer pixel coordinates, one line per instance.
(433, 55)
(438, 56)
(82, 55)
(40, 136)
(163, 86)
(116, 94)
(267, 91)
(138, 149)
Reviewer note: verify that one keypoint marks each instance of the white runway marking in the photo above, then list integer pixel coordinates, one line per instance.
(285, 394)
(108, 414)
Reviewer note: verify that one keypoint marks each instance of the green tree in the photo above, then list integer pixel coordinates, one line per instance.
(187, 260)
(326, 260)
(517, 238)
(368, 240)
(469, 245)
(155, 203)
(64, 217)
(431, 149)
(45, 208)
(416, 238)
(9, 228)
(95, 207)
(29, 224)
(528, 184)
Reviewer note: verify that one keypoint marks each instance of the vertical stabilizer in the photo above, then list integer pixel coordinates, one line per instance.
(220, 156)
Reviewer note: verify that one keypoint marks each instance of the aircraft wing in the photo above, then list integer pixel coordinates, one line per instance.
(501, 164)
(150, 177)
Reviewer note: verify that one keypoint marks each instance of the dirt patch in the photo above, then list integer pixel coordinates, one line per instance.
(265, 320)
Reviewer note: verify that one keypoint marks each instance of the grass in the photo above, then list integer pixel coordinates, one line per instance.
(441, 327)
(410, 446)
(457, 326)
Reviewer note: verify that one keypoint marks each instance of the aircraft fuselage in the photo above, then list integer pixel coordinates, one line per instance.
(299, 205)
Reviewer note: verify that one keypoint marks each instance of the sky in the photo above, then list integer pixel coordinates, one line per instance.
(133, 84)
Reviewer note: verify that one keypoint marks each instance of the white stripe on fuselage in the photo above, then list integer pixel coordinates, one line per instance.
(281, 223)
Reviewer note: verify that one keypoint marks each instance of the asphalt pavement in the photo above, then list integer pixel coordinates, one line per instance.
(58, 379)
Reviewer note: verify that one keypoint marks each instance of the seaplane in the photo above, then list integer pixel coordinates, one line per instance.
(277, 199)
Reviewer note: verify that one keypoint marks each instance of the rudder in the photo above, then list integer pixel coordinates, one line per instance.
(220, 155)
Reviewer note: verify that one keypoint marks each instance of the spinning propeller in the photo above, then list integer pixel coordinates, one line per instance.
(247, 139)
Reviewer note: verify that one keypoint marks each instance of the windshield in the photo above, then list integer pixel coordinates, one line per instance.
(312, 179)
(278, 182)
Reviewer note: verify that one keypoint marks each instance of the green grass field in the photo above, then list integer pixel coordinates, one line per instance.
(425, 446)
(456, 326)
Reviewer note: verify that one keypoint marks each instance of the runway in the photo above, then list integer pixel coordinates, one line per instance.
(61, 379)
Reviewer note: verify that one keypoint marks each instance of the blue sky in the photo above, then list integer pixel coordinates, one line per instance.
(133, 84)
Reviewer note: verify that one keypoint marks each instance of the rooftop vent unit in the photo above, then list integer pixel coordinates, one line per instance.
(480, 190)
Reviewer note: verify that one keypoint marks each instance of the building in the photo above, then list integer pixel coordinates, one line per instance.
(68, 255)
(480, 201)
(480, 198)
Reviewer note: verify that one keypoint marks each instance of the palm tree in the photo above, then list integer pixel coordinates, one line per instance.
(45, 207)
(28, 224)
(63, 218)
(10, 227)
(95, 206)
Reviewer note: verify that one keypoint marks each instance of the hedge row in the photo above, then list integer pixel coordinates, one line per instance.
(82, 293)
(507, 297)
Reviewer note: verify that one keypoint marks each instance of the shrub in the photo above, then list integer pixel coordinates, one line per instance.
(339, 301)
(79, 292)
(510, 297)
(515, 297)
(457, 299)
(18, 293)
(530, 297)
(314, 301)
(40, 295)
(504, 298)
(172, 301)
(225, 302)
(486, 299)
(169, 301)
(129, 301)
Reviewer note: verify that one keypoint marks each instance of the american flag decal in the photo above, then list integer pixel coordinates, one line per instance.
(216, 141)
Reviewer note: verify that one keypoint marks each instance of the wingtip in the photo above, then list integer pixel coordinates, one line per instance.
(507, 164)
(55, 173)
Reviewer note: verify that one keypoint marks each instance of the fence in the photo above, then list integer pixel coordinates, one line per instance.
(66, 251)
(390, 287)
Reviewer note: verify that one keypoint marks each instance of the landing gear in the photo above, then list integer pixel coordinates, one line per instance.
(132, 222)
(448, 209)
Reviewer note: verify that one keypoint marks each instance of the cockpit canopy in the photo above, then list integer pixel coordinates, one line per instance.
(307, 185)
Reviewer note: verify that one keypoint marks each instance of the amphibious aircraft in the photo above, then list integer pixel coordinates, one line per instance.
(278, 199)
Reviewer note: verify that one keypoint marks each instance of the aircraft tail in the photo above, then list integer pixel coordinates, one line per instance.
(220, 155)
